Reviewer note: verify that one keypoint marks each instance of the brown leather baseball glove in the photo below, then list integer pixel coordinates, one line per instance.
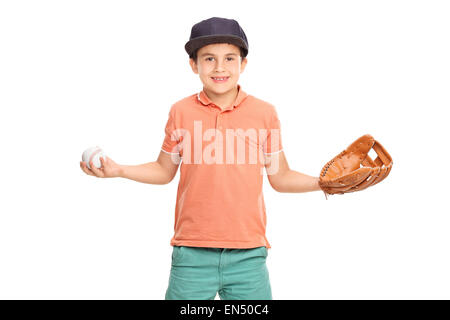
(353, 170)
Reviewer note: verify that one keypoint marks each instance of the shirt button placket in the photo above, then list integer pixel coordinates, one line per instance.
(218, 123)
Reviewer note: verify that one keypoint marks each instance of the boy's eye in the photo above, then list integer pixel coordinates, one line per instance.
(208, 59)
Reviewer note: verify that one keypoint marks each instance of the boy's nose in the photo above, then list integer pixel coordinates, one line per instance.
(219, 66)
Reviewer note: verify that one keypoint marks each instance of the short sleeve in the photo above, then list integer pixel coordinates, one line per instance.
(273, 143)
(170, 143)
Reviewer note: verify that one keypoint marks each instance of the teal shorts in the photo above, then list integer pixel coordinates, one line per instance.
(236, 274)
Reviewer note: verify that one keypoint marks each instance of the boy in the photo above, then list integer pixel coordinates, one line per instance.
(219, 245)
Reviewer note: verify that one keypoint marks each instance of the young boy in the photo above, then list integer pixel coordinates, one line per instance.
(224, 138)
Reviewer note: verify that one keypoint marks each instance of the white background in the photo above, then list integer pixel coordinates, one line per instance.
(75, 74)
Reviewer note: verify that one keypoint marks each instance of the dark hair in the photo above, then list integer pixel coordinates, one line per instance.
(193, 56)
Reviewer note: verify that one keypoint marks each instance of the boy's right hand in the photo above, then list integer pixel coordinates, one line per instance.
(109, 168)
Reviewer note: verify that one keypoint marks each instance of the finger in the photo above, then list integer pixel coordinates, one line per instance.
(96, 171)
(376, 176)
(362, 145)
(383, 157)
(86, 169)
(369, 181)
(368, 162)
(383, 174)
(347, 183)
(102, 162)
(348, 180)
(103, 166)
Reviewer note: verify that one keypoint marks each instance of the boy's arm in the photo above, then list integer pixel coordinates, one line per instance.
(162, 171)
(283, 179)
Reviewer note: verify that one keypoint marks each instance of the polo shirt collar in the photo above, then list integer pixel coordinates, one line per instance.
(203, 98)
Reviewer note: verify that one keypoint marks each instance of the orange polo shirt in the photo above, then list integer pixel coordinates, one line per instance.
(220, 202)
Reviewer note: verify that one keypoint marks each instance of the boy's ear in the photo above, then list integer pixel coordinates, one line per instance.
(243, 64)
(193, 65)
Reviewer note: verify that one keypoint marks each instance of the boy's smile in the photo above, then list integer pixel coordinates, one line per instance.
(219, 66)
(220, 79)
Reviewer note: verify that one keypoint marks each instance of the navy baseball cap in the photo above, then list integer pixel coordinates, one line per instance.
(216, 30)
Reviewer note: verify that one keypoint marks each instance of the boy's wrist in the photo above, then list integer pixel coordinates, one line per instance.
(317, 184)
(121, 173)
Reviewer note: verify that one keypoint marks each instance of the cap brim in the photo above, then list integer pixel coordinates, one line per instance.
(199, 42)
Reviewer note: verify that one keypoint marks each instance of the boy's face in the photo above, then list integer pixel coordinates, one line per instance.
(219, 60)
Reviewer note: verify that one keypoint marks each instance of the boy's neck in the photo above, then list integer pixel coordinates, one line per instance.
(222, 100)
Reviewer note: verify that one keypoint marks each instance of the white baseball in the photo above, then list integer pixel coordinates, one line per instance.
(94, 154)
